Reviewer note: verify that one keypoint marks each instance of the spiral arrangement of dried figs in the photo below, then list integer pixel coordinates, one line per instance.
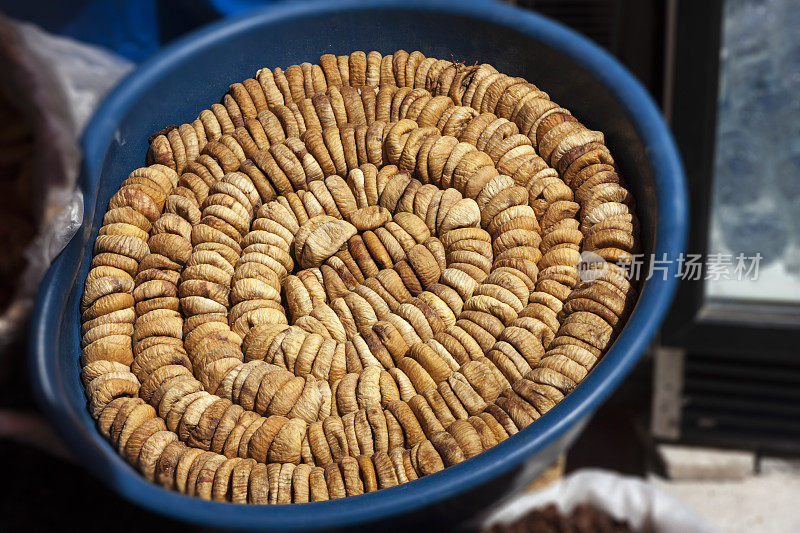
(349, 275)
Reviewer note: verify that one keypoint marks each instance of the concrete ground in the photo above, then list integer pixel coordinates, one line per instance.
(766, 503)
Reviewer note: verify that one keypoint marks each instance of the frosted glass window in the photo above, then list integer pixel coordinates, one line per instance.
(756, 183)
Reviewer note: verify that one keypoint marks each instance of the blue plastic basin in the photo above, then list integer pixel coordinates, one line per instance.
(186, 77)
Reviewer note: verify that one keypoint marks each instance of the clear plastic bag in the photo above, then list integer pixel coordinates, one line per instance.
(644, 506)
(51, 86)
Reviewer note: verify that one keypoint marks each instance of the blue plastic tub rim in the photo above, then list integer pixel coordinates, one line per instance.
(96, 454)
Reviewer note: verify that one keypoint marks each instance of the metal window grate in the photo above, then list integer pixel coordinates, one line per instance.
(746, 402)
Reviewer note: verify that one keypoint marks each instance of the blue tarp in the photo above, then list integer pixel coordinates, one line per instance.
(132, 28)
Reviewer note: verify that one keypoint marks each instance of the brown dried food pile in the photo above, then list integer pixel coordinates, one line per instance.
(350, 275)
(583, 519)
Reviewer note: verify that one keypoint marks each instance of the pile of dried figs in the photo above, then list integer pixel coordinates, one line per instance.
(349, 275)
